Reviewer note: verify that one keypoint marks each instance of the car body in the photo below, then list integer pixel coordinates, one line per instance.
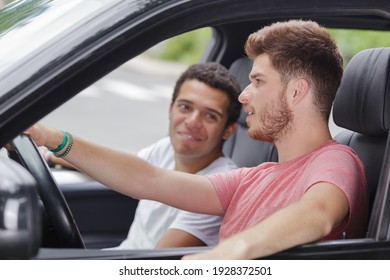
(59, 48)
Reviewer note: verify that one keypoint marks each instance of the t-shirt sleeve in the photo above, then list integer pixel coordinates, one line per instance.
(204, 227)
(344, 170)
(225, 185)
(339, 168)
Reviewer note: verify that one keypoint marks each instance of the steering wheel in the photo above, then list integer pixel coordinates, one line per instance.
(57, 209)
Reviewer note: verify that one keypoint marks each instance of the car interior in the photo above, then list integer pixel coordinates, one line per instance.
(361, 107)
(365, 88)
(102, 217)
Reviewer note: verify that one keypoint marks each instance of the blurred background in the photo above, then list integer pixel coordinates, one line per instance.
(128, 109)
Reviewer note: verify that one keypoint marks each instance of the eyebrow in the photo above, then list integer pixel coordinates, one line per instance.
(256, 75)
(207, 108)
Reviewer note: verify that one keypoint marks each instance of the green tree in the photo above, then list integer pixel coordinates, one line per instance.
(186, 48)
(354, 41)
(17, 11)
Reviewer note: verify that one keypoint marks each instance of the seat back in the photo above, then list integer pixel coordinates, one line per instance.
(243, 150)
(362, 107)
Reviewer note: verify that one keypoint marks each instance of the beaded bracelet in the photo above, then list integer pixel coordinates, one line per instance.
(62, 145)
(68, 148)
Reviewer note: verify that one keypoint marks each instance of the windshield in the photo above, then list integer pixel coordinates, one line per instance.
(35, 34)
(42, 23)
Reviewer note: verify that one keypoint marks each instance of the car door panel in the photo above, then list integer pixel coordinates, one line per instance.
(103, 215)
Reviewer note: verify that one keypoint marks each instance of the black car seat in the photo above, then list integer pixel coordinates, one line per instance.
(245, 151)
(362, 106)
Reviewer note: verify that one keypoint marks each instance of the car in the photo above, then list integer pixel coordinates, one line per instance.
(51, 51)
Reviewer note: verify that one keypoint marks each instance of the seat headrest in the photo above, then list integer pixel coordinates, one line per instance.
(241, 69)
(362, 100)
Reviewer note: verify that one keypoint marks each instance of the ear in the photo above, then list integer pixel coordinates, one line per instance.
(298, 89)
(229, 131)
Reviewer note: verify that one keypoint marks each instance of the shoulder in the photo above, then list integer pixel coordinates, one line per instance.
(337, 154)
(219, 165)
(335, 147)
(337, 164)
(159, 153)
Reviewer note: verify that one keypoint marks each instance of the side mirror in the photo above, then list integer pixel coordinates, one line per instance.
(20, 216)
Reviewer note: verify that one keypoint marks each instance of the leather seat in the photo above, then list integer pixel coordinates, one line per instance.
(362, 106)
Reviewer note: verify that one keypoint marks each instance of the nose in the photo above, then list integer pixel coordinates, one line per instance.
(194, 120)
(245, 95)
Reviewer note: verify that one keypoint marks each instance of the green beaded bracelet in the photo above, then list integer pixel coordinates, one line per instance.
(64, 154)
(62, 145)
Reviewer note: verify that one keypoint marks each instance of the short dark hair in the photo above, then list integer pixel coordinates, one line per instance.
(304, 49)
(216, 76)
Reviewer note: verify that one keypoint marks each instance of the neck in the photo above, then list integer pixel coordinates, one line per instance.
(301, 141)
(194, 164)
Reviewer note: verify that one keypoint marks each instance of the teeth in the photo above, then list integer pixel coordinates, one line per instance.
(190, 136)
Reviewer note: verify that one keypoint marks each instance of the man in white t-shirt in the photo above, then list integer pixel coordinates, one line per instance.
(202, 114)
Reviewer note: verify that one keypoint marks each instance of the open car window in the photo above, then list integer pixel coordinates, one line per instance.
(128, 108)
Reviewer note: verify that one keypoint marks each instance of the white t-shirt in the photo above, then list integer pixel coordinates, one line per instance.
(152, 219)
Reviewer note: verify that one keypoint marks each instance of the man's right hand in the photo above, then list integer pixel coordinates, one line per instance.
(45, 136)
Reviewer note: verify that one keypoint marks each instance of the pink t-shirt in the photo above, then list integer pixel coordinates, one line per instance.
(249, 195)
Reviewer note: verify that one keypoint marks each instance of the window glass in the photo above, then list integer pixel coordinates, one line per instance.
(128, 109)
(353, 41)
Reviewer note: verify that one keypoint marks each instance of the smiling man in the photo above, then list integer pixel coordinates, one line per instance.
(316, 191)
(202, 114)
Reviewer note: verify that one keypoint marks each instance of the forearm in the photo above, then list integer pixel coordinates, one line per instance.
(131, 175)
(178, 238)
(313, 217)
(135, 177)
(281, 231)
(122, 172)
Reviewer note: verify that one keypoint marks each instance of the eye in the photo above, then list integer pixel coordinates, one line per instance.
(211, 117)
(183, 107)
(258, 81)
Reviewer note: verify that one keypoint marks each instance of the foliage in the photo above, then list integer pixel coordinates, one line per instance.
(353, 41)
(186, 48)
(17, 11)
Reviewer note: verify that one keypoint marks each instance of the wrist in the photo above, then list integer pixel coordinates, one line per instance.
(64, 143)
(56, 137)
(63, 149)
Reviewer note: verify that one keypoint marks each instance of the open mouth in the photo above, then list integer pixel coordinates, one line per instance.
(249, 114)
(190, 136)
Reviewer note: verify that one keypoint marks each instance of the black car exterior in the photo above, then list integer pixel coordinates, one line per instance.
(59, 48)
